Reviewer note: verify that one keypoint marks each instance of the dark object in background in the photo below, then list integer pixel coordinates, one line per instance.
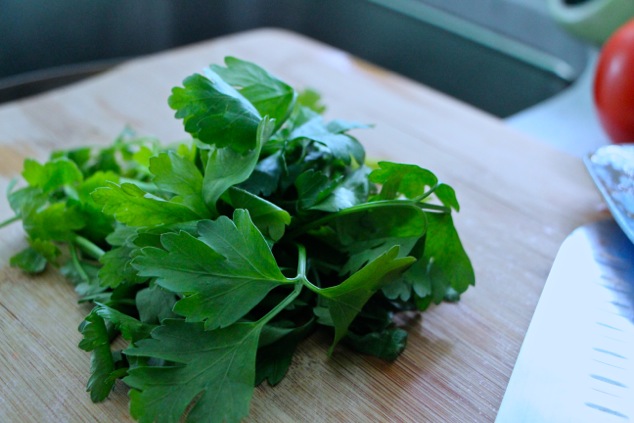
(421, 39)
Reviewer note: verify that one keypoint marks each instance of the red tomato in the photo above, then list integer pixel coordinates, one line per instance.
(614, 85)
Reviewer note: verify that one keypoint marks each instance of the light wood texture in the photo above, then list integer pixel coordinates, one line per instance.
(519, 200)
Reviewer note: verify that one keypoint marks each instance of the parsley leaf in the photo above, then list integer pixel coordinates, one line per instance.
(387, 344)
(226, 167)
(222, 274)
(448, 265)
(155, 304)
(216, 368)
(395, 178)
(182, 178)
(269, 218)
(29, 260)
(57, 222)
(342, 146)
(270, 96)
(130, 328)
(385, 224)
(215, 113)
(97, 340)
(132, 206)
(52, 175)
(346, 300)
(117, 268)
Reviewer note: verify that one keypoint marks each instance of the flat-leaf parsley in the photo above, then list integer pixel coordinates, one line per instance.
(214, 258)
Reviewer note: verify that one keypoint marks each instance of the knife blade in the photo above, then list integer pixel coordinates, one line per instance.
(612, 169)
(576, 363)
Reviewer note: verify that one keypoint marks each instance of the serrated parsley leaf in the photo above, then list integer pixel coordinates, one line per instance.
(98, 224)
(346, 300)
(29, 261)
(384, 225)
(26, 200)
(121, 235)
(97, 341)
(448, 263)
(447, 196)
(131, 329)
(215, 113)
(155, 304)
(387, 344)
(270, 219)
(313, 187)
(266, 175)
(349, 192)
(132, 206)
(443, 270)
(406, 179)
(51, 175)
(226, 167)
(46, 248)
(342, 146)
(270, 96)
(223, 274)
(117, 268)
(181, 177)
(311, 99)
(214, 369)
(57, 222)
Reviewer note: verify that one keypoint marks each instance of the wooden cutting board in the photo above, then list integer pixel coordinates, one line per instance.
(519, 199)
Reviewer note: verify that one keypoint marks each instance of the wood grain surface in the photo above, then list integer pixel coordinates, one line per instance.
(519, 197)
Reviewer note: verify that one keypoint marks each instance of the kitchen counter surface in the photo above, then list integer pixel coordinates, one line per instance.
(519, 200)
(568, 121)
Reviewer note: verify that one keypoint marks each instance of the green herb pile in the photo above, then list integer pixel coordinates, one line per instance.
(214, 258)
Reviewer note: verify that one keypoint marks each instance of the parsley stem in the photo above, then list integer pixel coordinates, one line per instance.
(311, 286)
(89, 247)
(78, 266)
(282, 305)
(426, 194)
(301, 278)
(9, 221)
(301, 261)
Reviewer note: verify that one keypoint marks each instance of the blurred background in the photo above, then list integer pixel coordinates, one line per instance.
(505, 57)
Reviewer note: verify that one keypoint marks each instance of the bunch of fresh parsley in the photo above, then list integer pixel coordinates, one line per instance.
(216, 257)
